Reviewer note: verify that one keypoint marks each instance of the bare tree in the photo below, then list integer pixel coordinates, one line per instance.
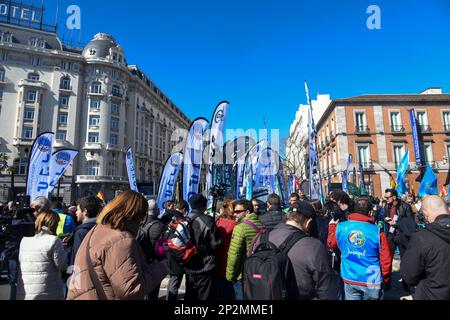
(294, 158)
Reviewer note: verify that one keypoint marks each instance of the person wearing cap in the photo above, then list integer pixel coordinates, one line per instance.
(148, 235)
(366, 259)
(309, 257)
(200, 269)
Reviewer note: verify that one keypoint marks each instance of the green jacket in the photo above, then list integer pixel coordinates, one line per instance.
(241, 240)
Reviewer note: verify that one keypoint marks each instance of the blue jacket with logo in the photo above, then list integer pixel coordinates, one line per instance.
(359, 243)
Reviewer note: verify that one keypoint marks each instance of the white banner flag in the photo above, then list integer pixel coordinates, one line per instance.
(193, 157)
(215, 145)
(168, 180)
(131, 171)
(61, 160)
(39, 167)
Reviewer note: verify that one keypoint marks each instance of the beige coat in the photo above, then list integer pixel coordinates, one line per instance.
(119, 264)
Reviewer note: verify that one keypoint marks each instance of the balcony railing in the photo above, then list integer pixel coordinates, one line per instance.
(398, 129)
(362, 129)
(368, 165)
(87, 179)
(32, 83)
(447, 128)
(64, 87)
(424, 128)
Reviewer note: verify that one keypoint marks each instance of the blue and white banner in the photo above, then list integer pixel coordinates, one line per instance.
(266, 169)
(312, 157)
(283, 190)
(291, 183)
(252, 156)
(39, 166)
(346, 173)
(193, 157)
(130, 170)
(168, 180)
(215, 146)
(61, 160)
(415, 134)
(234, 153)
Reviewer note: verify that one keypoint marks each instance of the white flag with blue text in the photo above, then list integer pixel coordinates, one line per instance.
(61, 160)
(131, 171)
(169, 180)
(39, 166)
(193, 157)
(215, 145)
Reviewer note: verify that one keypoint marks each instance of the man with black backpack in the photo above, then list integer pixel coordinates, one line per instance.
(288, 264)
(201, 266)
(148, 235)
(248, 226)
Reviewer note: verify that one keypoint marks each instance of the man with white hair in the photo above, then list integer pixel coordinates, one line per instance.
(41, 205)
(426, 262)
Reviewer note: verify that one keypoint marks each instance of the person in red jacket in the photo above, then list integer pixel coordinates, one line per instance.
(366, 259)
(225, 225)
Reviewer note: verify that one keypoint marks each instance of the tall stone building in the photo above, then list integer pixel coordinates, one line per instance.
(93, 101)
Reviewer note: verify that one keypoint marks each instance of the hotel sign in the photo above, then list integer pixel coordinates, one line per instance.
(20, 13)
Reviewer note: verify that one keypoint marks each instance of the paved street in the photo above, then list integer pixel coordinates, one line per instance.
(394, 294)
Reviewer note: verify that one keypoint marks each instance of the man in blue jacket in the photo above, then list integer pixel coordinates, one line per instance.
(87, 211)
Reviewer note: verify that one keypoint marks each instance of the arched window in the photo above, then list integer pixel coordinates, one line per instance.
(96, 87)
(65, 83)
(33, 77)
(93, 168)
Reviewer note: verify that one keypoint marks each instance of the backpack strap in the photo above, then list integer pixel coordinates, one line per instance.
(92, 274)
(254, 226)
(295, 237)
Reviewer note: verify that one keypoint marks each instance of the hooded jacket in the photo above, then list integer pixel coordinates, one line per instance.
(426, 262)
(119, 265)
(273, 217)
(42, 260)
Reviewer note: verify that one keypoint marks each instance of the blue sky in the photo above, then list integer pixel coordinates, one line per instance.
(257, 54)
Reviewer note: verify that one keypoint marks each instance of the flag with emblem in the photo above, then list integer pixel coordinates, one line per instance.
(429, 184)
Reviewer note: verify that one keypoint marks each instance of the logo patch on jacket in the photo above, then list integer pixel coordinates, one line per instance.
(357, 239)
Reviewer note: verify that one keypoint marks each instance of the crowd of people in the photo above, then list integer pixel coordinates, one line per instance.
(341, 250)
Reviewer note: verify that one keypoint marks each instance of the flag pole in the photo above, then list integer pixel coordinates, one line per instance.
(317, 164)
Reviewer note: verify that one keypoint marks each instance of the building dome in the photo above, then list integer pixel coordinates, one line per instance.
(100, 46)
